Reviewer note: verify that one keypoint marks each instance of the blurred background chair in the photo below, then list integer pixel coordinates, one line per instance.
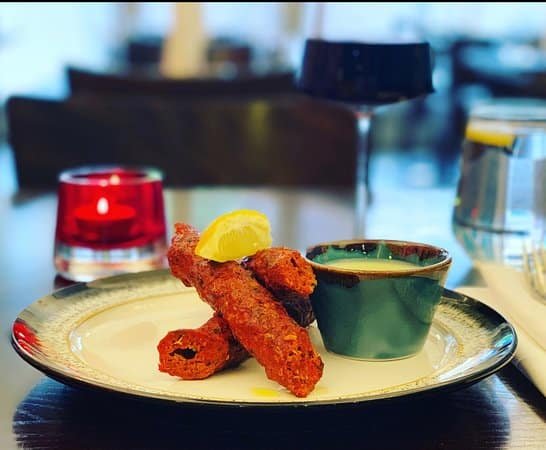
(81, 81)
(282, 140)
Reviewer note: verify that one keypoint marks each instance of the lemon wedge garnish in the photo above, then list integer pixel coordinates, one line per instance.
(235, 235)
(495, 138)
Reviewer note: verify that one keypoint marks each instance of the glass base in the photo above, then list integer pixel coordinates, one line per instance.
(486, 245)
(85, 264)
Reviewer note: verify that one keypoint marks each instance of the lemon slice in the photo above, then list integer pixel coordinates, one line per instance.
(495, 138)
(235, 235)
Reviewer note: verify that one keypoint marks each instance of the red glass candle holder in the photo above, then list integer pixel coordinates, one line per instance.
(109, 220)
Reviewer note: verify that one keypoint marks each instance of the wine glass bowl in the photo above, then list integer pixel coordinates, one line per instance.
(368, 74)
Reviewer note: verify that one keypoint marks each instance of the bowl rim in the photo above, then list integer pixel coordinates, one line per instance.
(444, 264)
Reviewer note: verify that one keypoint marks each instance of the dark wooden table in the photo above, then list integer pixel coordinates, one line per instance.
(502, 411)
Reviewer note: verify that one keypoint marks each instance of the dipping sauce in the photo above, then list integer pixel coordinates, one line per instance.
(375, 264)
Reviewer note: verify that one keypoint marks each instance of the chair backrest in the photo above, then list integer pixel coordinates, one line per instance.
(284, 141)
(85, 82)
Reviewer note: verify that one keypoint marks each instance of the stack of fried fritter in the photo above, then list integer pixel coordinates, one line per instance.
(261, 308)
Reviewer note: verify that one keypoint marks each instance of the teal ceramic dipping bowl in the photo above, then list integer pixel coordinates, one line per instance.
(371, 313)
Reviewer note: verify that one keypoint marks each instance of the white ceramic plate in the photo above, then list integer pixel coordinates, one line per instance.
(104, 335)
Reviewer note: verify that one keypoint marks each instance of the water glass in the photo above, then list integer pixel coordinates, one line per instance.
(502, 173)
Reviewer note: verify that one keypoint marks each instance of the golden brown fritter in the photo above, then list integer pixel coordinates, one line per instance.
(255, 318)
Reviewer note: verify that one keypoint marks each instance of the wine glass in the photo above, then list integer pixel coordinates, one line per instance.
(364, 76)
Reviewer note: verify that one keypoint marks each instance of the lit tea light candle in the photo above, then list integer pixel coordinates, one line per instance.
(105, 221)
(110, 220)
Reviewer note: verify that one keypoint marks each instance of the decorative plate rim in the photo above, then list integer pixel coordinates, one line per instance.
(465, 379)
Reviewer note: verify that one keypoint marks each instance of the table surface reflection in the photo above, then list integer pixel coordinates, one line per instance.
(504, 410)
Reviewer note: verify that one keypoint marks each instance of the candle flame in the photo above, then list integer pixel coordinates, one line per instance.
(102, 206)
(114, 179)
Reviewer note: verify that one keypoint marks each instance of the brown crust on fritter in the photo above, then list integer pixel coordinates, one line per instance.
(283, 269)
(290, 278)
(197, 354)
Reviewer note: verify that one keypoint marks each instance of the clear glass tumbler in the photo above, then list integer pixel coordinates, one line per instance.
(501, 196)
(502, 166)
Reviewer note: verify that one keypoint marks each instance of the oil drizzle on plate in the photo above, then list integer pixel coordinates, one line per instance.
(270, 393)
(264, 392)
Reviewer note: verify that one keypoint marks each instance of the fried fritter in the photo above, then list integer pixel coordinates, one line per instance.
(289, 277)
(199, 353)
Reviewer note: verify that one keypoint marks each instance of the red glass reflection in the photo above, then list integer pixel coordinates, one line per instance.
(25, 336)
(103, 209)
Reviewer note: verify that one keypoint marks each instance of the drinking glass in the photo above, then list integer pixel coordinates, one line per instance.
(502, 166)
(501, 193)
(364, 76)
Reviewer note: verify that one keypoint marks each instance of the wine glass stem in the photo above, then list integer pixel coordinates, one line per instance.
(361, 193)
